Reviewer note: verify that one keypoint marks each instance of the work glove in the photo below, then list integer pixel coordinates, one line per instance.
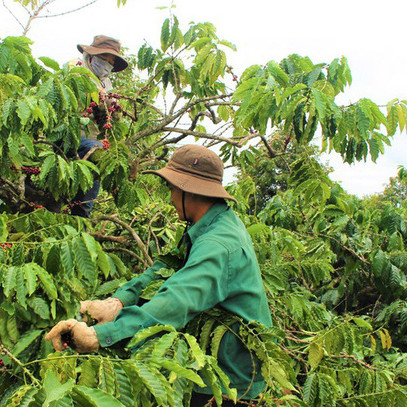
(82, 338)
(100, 310)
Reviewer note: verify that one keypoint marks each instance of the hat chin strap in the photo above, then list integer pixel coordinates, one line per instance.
(189, 222)
(183, 239)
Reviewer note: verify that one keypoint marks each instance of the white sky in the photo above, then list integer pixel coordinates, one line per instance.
(370, 33)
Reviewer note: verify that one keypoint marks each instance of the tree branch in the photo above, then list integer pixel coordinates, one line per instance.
(170, 118)
(123, 250)
(100, 237)
(15, 18)
(91, 151)
(52, 145)
(271, 152)
(207, 136)
(69, 11)
(133, 233)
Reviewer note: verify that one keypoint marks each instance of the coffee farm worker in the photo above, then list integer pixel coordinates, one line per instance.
(102, 57)
(220, 269)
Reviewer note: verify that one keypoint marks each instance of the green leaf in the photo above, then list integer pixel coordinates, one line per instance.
(181, 371)
(148, 332)
(91, 245)
(279, 374)
(232, 393)
(86, 396)
(30, 279)
(3, 228)
(107, 376)
(54, 389)
(310, 390)
(165, 34)
(46, 280)
(46, 166)
(85, 264)
(25, 341)
(217, 336)
(320, 102)
(210, 378)
(50, 63)
(154, 381)
(362, 323)
(40, 307)
(20, 287)
(124, 386)
(9, 280)
(196, 351)
(315, 355)
(23, 111)
(89, 373)
(67, 258)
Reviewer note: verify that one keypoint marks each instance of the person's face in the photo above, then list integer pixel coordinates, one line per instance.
(176, 200)
(108, 57)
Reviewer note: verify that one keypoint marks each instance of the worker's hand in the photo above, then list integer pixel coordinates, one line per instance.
(101, 310)
(82, 336)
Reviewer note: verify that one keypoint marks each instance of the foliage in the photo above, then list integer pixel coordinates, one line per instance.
(334, 266)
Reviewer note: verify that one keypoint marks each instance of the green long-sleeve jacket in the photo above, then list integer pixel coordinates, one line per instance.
(221, 270)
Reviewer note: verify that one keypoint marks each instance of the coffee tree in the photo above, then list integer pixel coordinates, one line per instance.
(334, 266)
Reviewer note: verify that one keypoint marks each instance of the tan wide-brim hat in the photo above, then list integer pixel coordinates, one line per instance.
(195, 169)
(105, 45)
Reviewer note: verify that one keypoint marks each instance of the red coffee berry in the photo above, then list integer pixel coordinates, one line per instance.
(1, 362)
(106, 144)
(89, 110)
(85, 115)
(92, 104)
(107, 126)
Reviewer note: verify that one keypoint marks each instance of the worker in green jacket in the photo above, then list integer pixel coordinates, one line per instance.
(220, 269)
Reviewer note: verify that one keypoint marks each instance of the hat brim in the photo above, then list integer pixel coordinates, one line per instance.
(119, 62)
(192, 184)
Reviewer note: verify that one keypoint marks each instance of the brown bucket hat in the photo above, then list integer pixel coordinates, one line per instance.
(105, 45)
(195, 169)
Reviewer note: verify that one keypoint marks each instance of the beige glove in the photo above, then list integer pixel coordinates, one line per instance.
(83, 336)
(101, 310)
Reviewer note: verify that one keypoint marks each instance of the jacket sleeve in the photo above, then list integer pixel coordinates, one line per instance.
(129, 292)
(199, 285)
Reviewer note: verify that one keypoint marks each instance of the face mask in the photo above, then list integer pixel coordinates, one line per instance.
(100, 67)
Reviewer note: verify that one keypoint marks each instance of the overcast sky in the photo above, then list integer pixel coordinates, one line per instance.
(371, 34)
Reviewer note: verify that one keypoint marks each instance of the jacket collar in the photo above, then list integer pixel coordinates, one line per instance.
(199, 228)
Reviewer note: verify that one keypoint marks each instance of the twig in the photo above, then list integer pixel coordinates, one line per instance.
(52, 145)
(15, 18)
(91, 151)
(170, 118)
(133, 233)
(124, 250)
(207, 136)
(106, 238)
(354, 358)
(271, 152)
(5, 351)
(69, 11)
(174, 103)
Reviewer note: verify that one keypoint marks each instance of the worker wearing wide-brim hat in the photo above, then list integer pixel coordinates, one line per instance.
(102, 57)
(220, 269)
